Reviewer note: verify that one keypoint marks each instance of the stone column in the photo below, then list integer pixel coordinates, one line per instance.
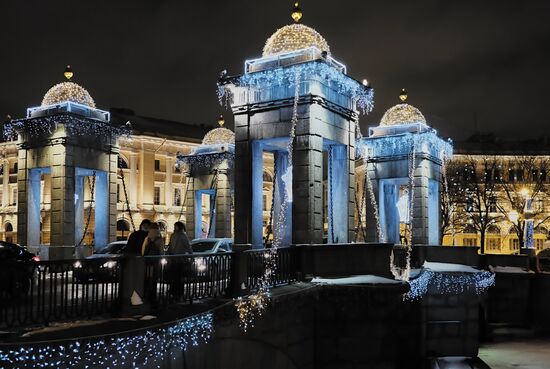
(223, 204)
(420, 203)
(147, 178)
(63, 189)
(133, 182)
(243, 180)
(190, 209)
(307, 190)
(6, 183)
(22, 204)
(257, 195)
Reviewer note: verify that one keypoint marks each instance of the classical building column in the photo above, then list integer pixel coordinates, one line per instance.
(5, 182)
(133, 182)
(168, 187)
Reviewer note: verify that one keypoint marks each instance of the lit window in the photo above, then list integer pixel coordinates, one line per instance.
(156, 196)
(177, 196)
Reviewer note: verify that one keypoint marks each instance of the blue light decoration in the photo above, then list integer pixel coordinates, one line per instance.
(208, 157)
(78, 120)
(448, 283)
(363, 96)
(403, 144)
(148, 348)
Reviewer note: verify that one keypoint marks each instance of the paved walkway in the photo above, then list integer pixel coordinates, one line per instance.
(524, 354)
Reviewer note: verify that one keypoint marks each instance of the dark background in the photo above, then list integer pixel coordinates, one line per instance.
(469, 66)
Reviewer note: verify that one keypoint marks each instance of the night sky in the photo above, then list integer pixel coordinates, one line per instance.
(469, 66)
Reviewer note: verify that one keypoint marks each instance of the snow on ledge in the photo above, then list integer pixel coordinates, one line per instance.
(359, 279)
(449, 268)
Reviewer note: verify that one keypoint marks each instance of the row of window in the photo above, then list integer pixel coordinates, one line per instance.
(538, 205)
(514, 175)
(495, 244)
(156, 195)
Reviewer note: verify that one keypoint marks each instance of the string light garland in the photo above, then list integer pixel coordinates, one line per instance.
(68, 91)
(362, 96)
(294, 37)
(254, 305)
(74, 124)
(205, 160)
(449, 283)
(402, 114)
(148, 348)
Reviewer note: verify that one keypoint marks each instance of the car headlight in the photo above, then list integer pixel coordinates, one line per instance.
(109, 264)
(201, 264)
(77, 265)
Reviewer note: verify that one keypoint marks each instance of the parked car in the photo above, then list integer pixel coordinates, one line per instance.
(100, 267)
(211, 245)
(205, 266)
(17, 266)
(114, 248)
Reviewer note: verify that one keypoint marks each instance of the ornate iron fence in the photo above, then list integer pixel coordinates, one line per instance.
(285, 270)
(184, 278)
(42, 292)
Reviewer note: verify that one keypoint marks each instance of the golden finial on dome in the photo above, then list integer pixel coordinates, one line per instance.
(68, 73)
(297, 13)
(403, 95)
(221, 121)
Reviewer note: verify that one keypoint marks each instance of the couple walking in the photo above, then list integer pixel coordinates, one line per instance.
(148, 240)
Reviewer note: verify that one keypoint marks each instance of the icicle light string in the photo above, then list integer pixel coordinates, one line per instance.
(254, 305)
(362, 96)
(449, 284)
(74, 125)
(144, 349)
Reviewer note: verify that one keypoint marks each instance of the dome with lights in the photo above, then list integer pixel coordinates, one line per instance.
(294, 37)
(402, 113)
(68, 91)
(219, 136)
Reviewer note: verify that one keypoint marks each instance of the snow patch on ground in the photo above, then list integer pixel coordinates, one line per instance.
(359, 279)
(508, 269)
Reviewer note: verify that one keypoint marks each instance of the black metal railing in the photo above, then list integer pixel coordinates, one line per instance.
(185, 278)
(285, 261)
(50, 291)
(42, 292)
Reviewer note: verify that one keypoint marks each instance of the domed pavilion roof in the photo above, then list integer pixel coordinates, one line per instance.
(68, 91)
(402, 114)
(294, 37)
(219, 136)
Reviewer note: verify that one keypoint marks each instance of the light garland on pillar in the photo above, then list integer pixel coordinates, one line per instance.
(402, 114)
(362, 96)
(68, 91)
(449, 283)
(205, 161)
(253, 306)
(74, 126)
(148, 348)
(294, 37)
